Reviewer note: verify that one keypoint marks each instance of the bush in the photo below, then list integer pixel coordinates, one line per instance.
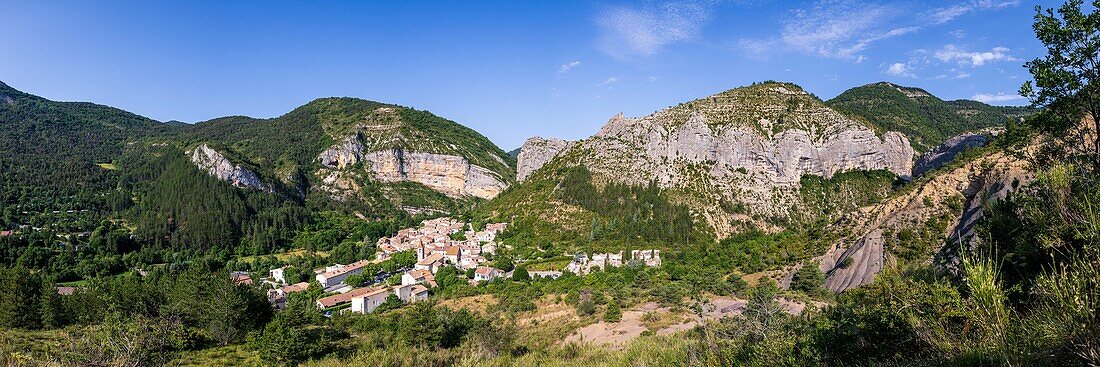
(521, 275)
(613, 313)
(808, 279)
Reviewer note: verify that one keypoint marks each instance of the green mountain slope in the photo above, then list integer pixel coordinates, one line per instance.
(72, 170)
(58, 156)
(921, 116)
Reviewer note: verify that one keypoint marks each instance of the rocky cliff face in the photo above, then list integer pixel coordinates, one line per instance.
(749, 145)
(217, 165)
(947, 151)
(535, 153)
(452, 175)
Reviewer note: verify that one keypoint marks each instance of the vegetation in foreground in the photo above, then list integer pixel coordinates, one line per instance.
(1027, 292)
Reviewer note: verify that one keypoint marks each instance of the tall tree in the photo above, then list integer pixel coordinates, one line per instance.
(1067, 79)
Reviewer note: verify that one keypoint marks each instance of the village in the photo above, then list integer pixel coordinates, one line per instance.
(437, 243)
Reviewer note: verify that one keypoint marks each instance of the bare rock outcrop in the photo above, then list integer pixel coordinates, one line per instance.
(535, 153)
(451, 175)
(220, 167)
(946, 152)
(858, 264)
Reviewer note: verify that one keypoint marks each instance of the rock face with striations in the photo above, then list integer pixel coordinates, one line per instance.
(217, 165)
(451, 175)
(535, 153)
(749, 145)
(946, 152)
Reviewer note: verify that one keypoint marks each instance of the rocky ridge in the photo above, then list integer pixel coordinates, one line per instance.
(944, 153)
(535, 153)
(749, 145)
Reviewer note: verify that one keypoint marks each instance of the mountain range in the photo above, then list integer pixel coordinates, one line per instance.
(769, 156)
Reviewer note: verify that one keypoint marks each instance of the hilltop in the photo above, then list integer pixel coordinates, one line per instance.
(926, 119)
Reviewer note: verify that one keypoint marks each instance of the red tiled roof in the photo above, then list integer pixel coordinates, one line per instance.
(296, 287)
(485, 270)
(346, 297)
(433, 258)
(347, 268)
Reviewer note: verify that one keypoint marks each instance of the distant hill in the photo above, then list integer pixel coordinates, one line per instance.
(57, 153)
(924, 118)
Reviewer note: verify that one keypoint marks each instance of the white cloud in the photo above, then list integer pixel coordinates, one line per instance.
(951, 53)
(845, 29)
(608, 82)
(841, 29)
(627, 32)
(652, 79)
(996, 98)
(944, 15)
(900, 69)
(565, 68)
(947, 14)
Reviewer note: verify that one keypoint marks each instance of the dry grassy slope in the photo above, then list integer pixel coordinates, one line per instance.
(973, 184)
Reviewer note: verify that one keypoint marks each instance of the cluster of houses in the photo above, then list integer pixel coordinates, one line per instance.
(435, 248)
(583, 264)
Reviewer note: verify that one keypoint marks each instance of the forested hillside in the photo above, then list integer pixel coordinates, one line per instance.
(91, 190)
(921, 116)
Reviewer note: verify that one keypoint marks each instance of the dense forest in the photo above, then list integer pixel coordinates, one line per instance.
(925, 119)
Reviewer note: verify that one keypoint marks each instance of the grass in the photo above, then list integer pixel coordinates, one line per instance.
(75, 283)
(283, 256)
(233, 355)
(17, 344)
(108, 166)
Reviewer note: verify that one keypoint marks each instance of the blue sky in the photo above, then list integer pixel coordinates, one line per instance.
(509, 69)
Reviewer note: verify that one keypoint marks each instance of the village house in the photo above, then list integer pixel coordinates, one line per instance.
(336, 274)
(648, 257)
(615, 260)
(418, 276)
(342, 298)
(241, 277)
(409, 293)
(582, 264)
(277, 296)
(278, 275)
(486, 274)
(432, 263)
(365, 302)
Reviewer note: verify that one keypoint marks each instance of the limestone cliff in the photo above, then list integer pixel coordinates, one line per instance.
(219, 166)
(452, 175)
(535, 153)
